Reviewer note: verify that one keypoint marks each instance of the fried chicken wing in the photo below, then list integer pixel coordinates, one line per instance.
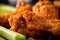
(43, 19)
(26, 23)
(22, 6)
(36, 22)
(46, 10)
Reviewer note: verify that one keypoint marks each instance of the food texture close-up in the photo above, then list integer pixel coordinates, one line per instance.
(30, 20)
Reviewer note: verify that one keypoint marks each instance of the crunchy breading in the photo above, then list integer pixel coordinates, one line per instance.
(44, 17)
(20, 8)
(46, 10)
(26, 23)
(31, 23)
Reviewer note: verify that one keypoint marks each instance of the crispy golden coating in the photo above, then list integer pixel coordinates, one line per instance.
(25, 23)
(4, 19)
(55, 26)
(52, 26)
(45, 9)
(28, 23)
(20, 8)
(33, 23)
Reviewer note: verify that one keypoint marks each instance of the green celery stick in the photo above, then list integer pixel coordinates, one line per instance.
(6, 8)
(11, 35)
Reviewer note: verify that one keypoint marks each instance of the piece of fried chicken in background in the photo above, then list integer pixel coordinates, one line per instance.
(46, 10)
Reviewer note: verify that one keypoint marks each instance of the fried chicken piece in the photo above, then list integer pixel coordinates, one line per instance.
(25, 22)
(52, 26)
(22, 6)
(18, 19)
(46, 10)
(32, 24)
(4, 19)
(28, 23)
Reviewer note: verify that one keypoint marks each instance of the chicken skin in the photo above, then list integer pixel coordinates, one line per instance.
(33, 23)
(3, 20)
(55, 27)
(46, 10)
(57, 4)
(22, 6)
(28, 23)
(38, 21)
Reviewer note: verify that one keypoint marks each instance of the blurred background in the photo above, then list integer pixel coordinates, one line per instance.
(13, 2)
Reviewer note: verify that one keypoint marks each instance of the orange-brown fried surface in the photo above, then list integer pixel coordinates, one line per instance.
(45, 9)
(4, 19)
(44, 17)
(20, 8)
(26, 23)
(30, 24)
(55, 26)
(57, 4)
